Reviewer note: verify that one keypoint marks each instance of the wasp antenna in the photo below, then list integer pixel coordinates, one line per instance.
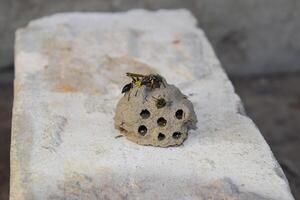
(135, 75)
(133, 78)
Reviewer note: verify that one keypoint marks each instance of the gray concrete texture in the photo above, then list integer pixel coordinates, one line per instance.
(250, 36)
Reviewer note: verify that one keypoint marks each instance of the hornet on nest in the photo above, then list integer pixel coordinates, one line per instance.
(151, 81)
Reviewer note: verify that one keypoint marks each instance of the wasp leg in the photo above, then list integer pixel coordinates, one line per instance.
(133, 79)
(146, 97)
(129, 95)
(152, 84)
(154, 98)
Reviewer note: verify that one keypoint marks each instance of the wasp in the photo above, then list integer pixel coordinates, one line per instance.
(136, 82)
(151, 81)
(160, 102)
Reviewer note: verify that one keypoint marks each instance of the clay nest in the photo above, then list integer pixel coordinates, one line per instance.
(154, 113)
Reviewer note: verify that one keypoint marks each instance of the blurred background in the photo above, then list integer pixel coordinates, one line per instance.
(258, 43)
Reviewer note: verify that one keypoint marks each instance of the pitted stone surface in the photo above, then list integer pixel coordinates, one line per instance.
(67, 85)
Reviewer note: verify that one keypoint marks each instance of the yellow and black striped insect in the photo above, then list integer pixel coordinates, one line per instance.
(150, 81)
(136, 82)
(153, 81)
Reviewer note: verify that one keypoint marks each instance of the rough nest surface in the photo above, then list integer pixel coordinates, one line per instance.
(158, 117)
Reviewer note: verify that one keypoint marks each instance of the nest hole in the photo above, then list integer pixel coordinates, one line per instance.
(142, 130)
(160, 103)
(161, 136)
(179, 114)
(145, 114)
(161, 122)
(176, 135)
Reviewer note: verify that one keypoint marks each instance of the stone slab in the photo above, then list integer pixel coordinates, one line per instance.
(69, 73)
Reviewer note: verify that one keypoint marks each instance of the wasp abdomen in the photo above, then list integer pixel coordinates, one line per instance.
(127, 87)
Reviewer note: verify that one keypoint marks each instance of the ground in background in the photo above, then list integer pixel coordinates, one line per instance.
(6, 99)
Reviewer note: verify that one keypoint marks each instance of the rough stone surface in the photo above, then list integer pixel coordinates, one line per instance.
(250, 36)
(155, 116)
(67, 84)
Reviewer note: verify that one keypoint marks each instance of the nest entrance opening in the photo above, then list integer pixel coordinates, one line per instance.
(179, 114)
(161, 122)
(142, 130)
(161, 136)
(145, 114)
(176, 135)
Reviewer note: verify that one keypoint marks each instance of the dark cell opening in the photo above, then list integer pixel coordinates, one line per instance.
(160, 103)
(161, 136)
(176, 135)
(161, 121)
(145, 114)
(179, 114)
(142, 130)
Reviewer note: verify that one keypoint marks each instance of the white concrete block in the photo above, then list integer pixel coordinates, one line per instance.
(69, 75)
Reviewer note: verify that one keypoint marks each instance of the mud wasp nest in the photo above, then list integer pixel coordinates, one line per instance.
(152, 112)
